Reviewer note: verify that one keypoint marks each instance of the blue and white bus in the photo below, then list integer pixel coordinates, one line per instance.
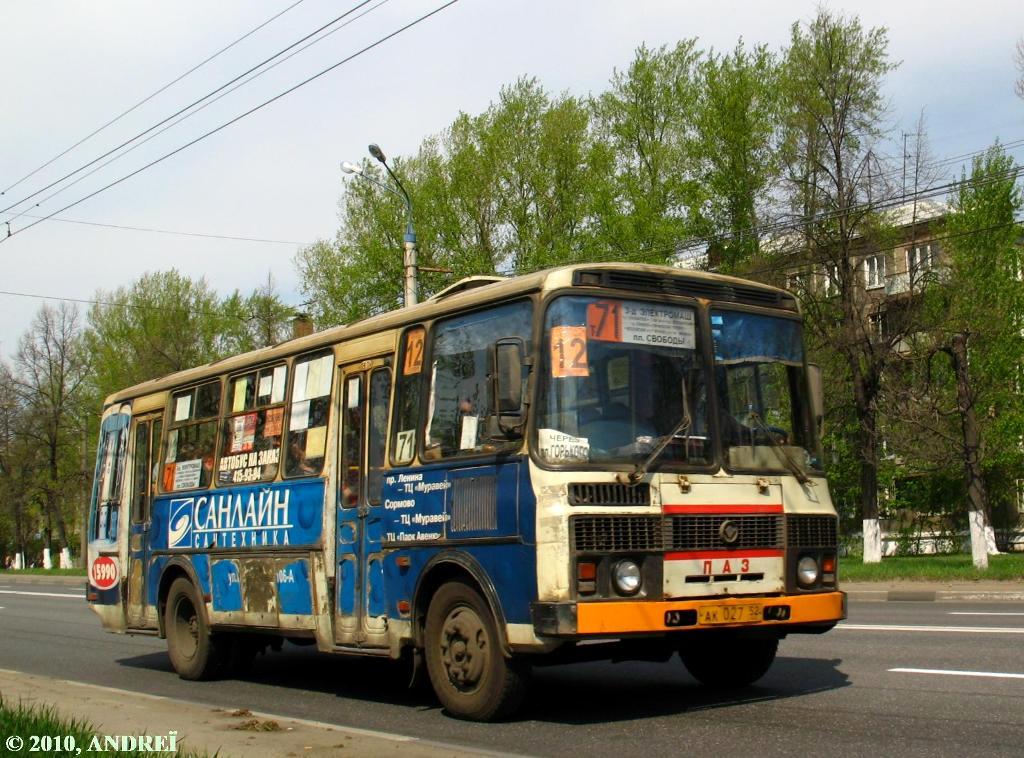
(594, 461)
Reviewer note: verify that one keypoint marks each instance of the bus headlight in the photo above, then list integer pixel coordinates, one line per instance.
(627, 577)
(807, 571)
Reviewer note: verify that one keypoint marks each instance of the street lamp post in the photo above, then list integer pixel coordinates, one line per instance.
(411, 276)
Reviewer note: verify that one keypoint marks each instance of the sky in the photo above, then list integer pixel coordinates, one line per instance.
(70, 66)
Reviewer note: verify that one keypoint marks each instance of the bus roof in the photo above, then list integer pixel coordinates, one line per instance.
(465, 295)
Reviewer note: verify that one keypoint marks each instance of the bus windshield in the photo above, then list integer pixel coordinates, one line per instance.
(762, 393)
(619, 375)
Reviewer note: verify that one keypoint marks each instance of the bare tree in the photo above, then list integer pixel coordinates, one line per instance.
(50, 372)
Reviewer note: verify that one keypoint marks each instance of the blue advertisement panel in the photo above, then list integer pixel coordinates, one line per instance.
(242, 518)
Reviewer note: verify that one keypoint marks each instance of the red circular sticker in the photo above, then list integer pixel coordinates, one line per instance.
(103, 574)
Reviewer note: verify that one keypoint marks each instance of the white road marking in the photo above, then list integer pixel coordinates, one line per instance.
(984, 613)
(42, 594)
(946, 672)
(954, 629)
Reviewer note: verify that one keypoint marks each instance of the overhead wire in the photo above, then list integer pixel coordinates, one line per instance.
(207, 104)
(238, 118)
(177, 113)
(145, 100)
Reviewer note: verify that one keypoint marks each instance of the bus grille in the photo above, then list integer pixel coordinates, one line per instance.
(812, 531)
(680, 533)
(609, 493)
(611, 534)
(702, 532)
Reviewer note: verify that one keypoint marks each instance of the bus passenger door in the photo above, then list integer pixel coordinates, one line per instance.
(145, 433)
(360, 611)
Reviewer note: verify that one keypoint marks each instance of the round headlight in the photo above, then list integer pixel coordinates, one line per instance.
(807, 571)
(627, 577)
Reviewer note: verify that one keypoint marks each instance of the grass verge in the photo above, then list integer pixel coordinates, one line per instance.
(44, 572)
(73, 736)
(936, 568)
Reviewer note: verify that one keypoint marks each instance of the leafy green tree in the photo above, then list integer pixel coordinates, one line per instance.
(832, 80)
(647, 120)
(260, 319)
(505, 191)
(979, 307)
(162, 323)
(738, 129)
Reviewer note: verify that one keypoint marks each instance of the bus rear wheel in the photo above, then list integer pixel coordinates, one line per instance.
(194, 653)
(726, 663)
(469, 673)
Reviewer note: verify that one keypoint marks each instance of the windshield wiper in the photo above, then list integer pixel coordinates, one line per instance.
(634, 476)
(780, 450)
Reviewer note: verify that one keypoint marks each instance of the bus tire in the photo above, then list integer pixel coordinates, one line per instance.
(726, 663)
(468, 671)
(194, 653)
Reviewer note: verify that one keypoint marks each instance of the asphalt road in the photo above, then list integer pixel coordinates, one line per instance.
(842, 693)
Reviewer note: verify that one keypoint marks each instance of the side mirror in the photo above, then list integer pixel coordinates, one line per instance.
(508, 376)
(817, 397)
(507, 386)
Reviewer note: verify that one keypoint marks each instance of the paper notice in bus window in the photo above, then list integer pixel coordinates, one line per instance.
(658, 325)
(569, 351)
(300, 416)
(186, 474)
(182, 408)
(277, 394)
(299, 381)
(172, 446)
(244, 433)
(266, 385)
(316, 442)
(413, 352)
(314, 378)
(352, 393)
(238, 400)
(272, 425)
(618, 373)
(558, 446)
(470, 426)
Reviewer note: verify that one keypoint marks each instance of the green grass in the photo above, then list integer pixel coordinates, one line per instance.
(45, 572)
(26, 720)
(938, 568)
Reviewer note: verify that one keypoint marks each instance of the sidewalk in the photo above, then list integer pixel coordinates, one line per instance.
(226, 732)
(983, 591)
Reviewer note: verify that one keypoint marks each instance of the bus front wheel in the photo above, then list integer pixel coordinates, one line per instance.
(725, 663)
(469, 673)
(194, 653)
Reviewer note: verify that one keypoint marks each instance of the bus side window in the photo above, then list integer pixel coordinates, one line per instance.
(407, 397)
(312, 378)
(192, 439)
(109, 489)
(252, 429)
(380, 393)
(462, 410)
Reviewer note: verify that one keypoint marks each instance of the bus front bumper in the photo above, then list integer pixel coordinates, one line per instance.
(811, 613)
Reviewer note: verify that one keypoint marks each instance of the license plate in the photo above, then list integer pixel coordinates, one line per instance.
(730, 614)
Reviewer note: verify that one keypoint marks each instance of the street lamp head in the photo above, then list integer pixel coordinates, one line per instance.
(377, 153)
(351, 168)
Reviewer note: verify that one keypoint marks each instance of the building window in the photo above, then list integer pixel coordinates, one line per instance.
(874, 271)
(920, 260)
(876, 325)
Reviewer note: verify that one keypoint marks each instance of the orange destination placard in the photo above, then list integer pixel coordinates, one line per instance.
(569, 351)
(413, 352)
(604, 321)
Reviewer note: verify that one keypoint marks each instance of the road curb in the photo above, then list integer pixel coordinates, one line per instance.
(944, 596)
